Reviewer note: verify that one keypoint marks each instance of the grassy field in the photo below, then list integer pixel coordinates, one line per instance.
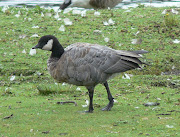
(29, 96)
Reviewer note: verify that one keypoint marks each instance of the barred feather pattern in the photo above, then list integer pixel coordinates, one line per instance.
(85, 64)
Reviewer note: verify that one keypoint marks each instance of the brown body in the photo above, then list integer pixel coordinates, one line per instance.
(85, 64)
(96, 4)
(103, 4)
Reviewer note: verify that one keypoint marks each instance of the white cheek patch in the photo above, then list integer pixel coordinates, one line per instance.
(49, 45)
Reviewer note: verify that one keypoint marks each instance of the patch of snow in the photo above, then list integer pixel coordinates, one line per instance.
(127, 11)
(176, 41)
(137, 33)
(105, 23)
(174, 11)
(35, 27)
(24, 51)
(32, 52)
(136, 41)
(164, 11)
(12, 78)
(169, 126)
(96, 13)
(78, 89)
(63, 84)
(29, 19)
(111, 22)
(17, 15)
(62, 28)
(86, 105)
(106, 39)
(48, 14)
(56, 16)
(75, 11)
(115, 101)
(22, 36)
(98, 32)
(120, 44)
(126, 76)
(35, 36)
(83, 13)
(67, 21)
(5, 8)
(67, 10)
(42, 14)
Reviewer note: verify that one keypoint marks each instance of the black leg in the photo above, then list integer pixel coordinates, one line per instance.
(91, 92)
(110, 98)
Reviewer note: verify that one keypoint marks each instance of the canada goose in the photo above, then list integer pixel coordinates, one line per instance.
(85, 64)
(96, 4)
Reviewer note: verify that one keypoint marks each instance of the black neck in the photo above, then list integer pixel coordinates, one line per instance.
(57, 50)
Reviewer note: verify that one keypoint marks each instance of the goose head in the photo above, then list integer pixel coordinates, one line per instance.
(65, 4)
(50, 43)
(45, 43)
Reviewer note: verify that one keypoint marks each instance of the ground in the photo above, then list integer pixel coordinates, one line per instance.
(29, 96)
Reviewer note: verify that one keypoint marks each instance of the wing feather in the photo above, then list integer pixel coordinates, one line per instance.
(90, 62)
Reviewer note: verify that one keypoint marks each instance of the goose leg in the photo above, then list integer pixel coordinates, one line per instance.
(110, 98)
(91, 92)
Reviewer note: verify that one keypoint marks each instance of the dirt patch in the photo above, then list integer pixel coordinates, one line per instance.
(175, 72)
(171, 84)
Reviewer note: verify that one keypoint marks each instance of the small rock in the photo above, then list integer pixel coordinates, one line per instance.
(97, 32)
(151, 104)
(45, 132)
(136, 41)
(63, 134)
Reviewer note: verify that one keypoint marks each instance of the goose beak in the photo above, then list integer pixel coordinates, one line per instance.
(36, 47)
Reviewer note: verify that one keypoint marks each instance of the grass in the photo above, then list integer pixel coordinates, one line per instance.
(33, 95)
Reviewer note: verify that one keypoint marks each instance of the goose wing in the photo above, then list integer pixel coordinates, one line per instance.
(87, 64)
(102, 58)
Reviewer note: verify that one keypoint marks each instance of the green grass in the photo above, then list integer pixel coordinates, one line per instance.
(32, 97)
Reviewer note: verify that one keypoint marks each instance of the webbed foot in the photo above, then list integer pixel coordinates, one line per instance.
(108, 107)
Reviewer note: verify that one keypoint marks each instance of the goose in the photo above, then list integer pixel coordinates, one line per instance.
(96, 4)
(85, 64)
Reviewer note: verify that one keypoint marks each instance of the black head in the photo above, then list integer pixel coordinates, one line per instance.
(65, 4)
(46, 42)
(50, 43)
